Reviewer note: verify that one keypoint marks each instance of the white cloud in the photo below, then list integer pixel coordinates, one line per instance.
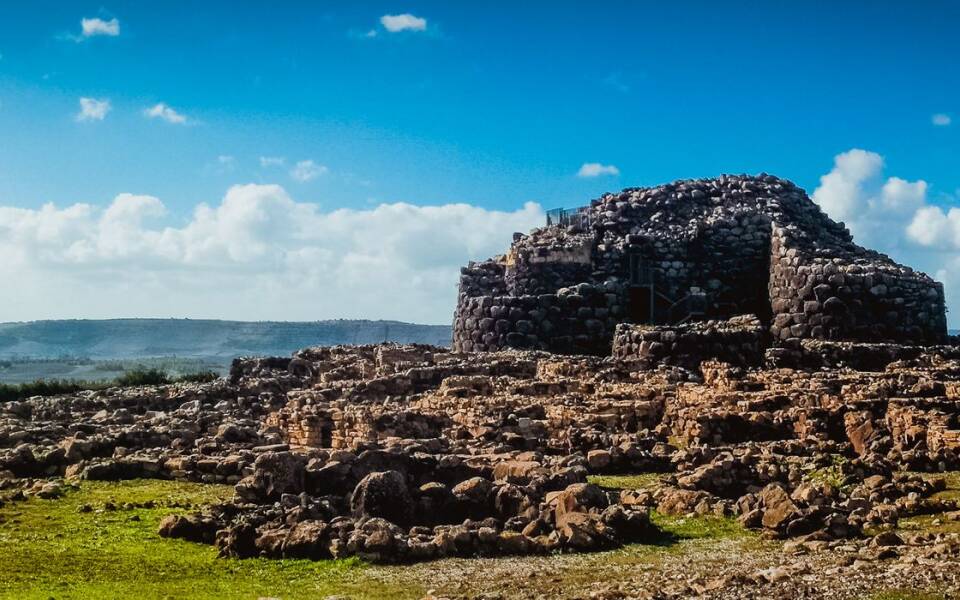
(404, 22)
(941, 119)
(893, 215)
(162, 111)
(306, 170)
(92, 109)
(840, 193)
(596, 170)
(855, 192)
(96, 26)
(258, 254)
(931, 226)
(271, 161)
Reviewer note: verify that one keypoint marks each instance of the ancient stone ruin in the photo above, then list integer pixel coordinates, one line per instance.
(722, 338)
(691, 251)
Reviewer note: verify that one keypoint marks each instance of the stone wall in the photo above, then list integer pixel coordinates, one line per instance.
(483, 279)
(533, 270)
(738, 341)
(845, 296)
(825, 354)
(575, 320)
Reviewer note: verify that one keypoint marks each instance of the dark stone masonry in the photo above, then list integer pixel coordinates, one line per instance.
(688, 251)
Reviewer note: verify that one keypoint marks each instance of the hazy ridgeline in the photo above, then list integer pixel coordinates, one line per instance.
(100, 350)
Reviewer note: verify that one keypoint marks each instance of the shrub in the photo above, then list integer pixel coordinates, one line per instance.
(142, 376)
(137, 376)
(198, 377)
(44, 387)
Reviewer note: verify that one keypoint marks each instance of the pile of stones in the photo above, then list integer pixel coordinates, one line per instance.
(400, 504)
(400, 453)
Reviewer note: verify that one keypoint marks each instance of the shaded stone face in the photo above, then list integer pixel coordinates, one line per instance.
(687, 251)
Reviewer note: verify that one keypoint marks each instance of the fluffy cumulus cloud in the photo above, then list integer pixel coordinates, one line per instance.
(307, 170)
(92, 109)
(404, 22)
(257, 254)
(941, 120)
(96, 26)
(596, 170)
(856, 192)
(893, 215)
(165, 113)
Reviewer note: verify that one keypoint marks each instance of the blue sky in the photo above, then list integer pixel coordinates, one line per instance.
(493, 105)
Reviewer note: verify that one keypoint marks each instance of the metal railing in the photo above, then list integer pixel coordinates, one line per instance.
(569, 217)
(692, 307)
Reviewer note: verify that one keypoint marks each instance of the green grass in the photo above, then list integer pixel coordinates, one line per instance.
(639, 481)
(51, 550)
(700, 527)
(831, 475)
(925, 523)
(953, 484)
(675, 527)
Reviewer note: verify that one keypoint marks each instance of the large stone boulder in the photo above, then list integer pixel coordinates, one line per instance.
(778, 508)
(307, 539)
(193, 528)
(384, 495)
(579, 497)
(274, 474)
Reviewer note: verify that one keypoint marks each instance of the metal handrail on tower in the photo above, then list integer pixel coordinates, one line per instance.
(568, 217)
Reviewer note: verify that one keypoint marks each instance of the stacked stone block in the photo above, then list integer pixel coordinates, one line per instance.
(739, 341)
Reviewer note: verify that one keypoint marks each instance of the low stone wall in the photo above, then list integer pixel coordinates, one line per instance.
(738, 341)
(575, 320)
(825, 354)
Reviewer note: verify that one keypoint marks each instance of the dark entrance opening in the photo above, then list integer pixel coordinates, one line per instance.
(640, 305)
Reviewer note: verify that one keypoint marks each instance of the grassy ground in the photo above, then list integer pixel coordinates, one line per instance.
(50, 550)
(936, 523)
(640, 481)
(57, 551)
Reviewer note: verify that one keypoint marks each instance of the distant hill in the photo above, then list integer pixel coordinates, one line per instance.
(137, 338)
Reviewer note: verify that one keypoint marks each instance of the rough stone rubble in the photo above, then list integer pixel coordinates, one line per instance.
(406, 453)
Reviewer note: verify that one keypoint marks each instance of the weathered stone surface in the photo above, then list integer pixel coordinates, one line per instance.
(778, 508)
(383, 495)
